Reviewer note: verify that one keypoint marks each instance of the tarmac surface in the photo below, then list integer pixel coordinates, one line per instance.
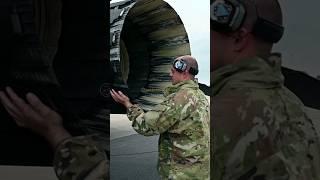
(133, 156)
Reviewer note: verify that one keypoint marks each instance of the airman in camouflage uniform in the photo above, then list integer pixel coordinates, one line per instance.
(182, 120)
(261, 130)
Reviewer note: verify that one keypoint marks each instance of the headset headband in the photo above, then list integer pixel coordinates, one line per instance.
(228, 16)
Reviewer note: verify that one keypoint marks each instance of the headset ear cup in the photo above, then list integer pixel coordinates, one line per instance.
(180, 68)
(263, 27)
(193, 71)
(227, 16)
(196, 71)
(184, 67)
(239, 16)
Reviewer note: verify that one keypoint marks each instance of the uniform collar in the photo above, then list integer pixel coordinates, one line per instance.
(253, 72)
(190, 84)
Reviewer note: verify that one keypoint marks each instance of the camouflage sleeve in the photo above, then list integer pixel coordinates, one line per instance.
(80, 158)
(161, 117)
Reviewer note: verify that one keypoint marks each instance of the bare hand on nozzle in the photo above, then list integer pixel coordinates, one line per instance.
(34, 115)
(119, 97)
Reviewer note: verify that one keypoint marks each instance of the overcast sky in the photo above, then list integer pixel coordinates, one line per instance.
(195, 16)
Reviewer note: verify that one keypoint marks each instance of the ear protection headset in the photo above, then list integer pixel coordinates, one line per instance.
(228, 16)
(181, 66)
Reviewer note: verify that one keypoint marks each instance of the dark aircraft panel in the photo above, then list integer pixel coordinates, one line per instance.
(58, 50)
(306, 87)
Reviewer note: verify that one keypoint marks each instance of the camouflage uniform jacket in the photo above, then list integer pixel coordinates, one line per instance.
(261, 130)
(182, 120)
(81, 158)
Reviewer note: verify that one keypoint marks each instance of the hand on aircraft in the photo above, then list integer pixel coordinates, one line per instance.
(119, 97)
(34, 115)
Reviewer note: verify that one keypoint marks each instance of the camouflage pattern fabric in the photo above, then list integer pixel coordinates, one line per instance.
(182, 120)
(260, 128)
(81, 158)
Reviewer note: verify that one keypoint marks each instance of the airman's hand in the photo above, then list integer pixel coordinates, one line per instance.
(34, 115)
(119, 97)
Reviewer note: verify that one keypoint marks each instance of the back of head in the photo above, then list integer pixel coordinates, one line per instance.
(261, 17)
(264, 19)
(243, 28)
(192, 64)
